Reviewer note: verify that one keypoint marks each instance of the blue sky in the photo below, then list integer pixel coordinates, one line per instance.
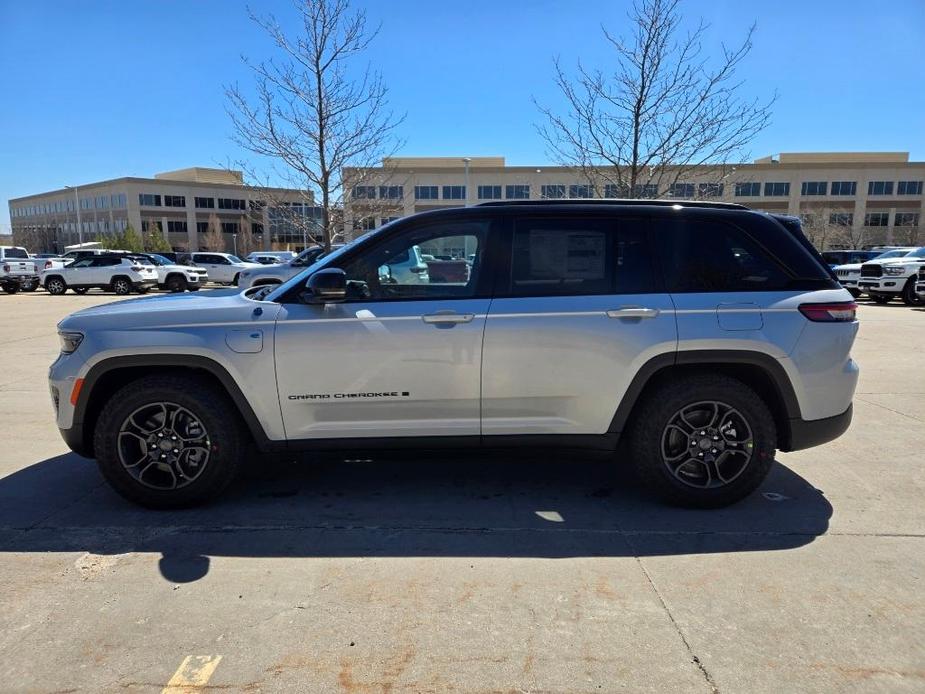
(96, 90)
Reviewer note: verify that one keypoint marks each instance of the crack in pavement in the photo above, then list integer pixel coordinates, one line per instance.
(890, 409)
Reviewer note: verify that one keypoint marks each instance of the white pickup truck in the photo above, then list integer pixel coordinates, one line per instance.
(17, 270)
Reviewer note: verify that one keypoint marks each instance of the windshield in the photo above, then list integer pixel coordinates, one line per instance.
(326, 261)
(159, 259)
(917, 253)
(234, 259)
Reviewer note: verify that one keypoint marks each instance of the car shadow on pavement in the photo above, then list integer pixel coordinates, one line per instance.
(481, 506)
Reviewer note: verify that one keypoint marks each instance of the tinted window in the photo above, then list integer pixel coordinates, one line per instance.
(573, 257)
(15, 253)
(708, 256)
(106, 262)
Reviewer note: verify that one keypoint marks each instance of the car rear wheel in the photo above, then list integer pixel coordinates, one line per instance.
(121, 286)
(881, 298)
(176, 283)
(167, 442)
(702, 441)
(909, 297)
(11, 288)
(56, 286)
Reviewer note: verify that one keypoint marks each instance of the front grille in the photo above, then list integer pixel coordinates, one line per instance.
(922, 273)
(871, 270)
(846, 273)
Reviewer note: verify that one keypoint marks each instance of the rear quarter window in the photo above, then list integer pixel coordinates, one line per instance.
(704, 255)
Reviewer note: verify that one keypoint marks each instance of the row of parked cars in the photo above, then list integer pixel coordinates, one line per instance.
(124, 272)
(890, 273)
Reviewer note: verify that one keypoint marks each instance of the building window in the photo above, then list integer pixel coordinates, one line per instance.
(150, 225)
(205, 203)
(231, 204)
(552, 191)
(426, 193)
(581, 190)
(752, 189)
(909, 188)
(877, 219)
(681, 190)
(102, 202)
(176, 226)
(174, 201)
(906, 219)
(149, 200)
(391, 192)
(454, 192)
(229, 227)
(256, 205)
(645, 190)
(489, 192)
(366, 224)
(364, 192)
(202, 227)
(117, 201)
(842, 219)
(814, 188)
(710, 190)
(880, 188)
(776, 189)
(517, 192)
(844, 188)
(613, 190)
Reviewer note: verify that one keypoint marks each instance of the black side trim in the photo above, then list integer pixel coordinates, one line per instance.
(719, 357)
(806, 433)
(585, 442)
(80, 440)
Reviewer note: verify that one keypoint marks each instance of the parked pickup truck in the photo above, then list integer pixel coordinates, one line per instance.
(17, 270)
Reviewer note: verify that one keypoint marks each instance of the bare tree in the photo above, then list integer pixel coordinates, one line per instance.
(846, 232)
(246, 242)
(213, 240)
(309, 115)
(662, 110)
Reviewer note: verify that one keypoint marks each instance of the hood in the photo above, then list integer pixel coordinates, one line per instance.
(203, 307)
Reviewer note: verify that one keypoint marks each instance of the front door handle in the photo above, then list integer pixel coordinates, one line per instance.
(633, 312)
(447, 318)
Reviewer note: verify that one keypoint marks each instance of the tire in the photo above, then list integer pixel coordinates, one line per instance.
(11, 288)
(659, 436)
(176, 284)
(144, 290)
(193, 289)
(80, 290)
(909, 297)
(30, 286)
(201, 410)
(234, 280)
(121, 286)
(55, 286)
(880, 298)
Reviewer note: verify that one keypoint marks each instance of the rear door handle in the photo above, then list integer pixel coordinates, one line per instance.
(447, 318)
(632, 312)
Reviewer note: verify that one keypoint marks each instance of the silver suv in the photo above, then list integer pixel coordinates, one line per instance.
(704, 336)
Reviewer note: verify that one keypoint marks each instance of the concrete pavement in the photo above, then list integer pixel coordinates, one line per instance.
(469, 575)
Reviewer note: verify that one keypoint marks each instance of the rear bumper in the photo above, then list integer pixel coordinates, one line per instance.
(806, 433)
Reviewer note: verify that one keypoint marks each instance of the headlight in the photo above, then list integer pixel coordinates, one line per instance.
(894, 271)
(70, 341)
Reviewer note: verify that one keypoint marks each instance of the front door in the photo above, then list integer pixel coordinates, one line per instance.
(578, 313)
(402, 355)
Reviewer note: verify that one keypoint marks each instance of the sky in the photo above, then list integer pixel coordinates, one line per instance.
(97, 90)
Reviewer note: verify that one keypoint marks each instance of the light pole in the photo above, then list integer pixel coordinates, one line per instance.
(466, 161)
(234, 240)
(80, 231)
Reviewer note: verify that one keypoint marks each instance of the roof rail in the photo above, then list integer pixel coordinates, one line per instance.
(617, 201)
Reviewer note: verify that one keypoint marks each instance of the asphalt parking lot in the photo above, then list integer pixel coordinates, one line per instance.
(472, 574)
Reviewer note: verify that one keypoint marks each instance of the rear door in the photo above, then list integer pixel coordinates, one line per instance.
(577, 311)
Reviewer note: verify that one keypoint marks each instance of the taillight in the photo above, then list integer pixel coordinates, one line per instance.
(48, 264)
(840, 312)
(6, 268)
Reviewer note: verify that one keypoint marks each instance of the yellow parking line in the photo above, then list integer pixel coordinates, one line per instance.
(194, 673)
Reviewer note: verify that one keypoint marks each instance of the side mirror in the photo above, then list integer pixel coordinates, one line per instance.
(326, 286)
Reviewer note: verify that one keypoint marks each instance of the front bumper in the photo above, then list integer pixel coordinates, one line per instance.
(806, 433)
(883, 285)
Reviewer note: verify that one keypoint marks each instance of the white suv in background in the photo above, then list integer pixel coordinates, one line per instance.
(223, 268)
(119, 273)
(885, 280)
(173, 277)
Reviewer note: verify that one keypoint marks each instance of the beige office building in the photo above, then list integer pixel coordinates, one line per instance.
(845, 199)
(178, 204)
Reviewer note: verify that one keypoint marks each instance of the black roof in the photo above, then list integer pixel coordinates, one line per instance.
(620, 202)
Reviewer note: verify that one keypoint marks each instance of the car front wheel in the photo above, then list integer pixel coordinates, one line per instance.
(702, 441)
(909, 297)
(167, 442)
(880, 298)
(176, 284)
(55, 286)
